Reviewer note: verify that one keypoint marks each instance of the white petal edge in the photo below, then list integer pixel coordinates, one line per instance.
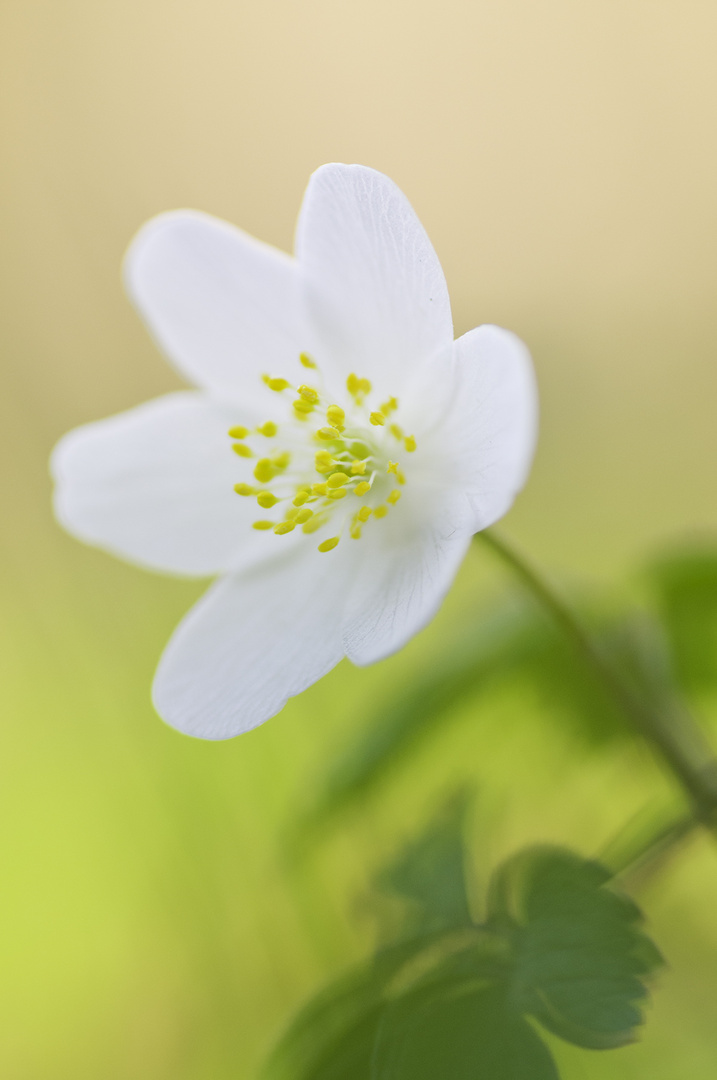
(224, 307)
(493, 423)
(154, 485)
(397, 590)
(252, 642)
(375, 290)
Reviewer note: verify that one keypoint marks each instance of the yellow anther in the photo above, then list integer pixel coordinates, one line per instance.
(394, 497)
(389, 406)
(319, 489)
(377, 419)
(337, 479)
(327, 433)
(266, 500)
(300, 499)
(410, 443)
(380, 512)
(364, 513)
(263, 525)
(364, 386)
(292, 513)
(355, 532)
(269, 429)
(264, 470)
(313, 524)
(280, 461)
(396, 432)
(327, 545)
(244, 489)
(358, 468)
(303, 516)
(275, 384)
(362, 488)
(238, 432)
(302, 407)
(242, 449)
(309, 394)
(284, 527)
(392, 468)
(400, 477)
(337, 493)
(323, 461)
(306, 361)
(336, 416)
(352, 384)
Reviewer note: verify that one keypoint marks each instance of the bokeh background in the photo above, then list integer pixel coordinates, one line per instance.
(563, 159)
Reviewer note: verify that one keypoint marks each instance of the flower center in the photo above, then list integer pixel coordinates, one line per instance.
(325, 460)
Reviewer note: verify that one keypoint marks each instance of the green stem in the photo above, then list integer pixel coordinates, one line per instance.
(671, 730)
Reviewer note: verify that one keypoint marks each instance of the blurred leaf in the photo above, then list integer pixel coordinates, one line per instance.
(686, 587)
(581, 957)
(429, 876)
(458, 1030)
(517, 642)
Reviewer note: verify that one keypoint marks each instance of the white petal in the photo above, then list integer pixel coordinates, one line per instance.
(222, 305)
(398, 590)
(155, 486)
(494, 421)
(375, 288)
(252, 642)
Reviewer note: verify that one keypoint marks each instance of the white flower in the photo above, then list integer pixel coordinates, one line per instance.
(331, 393)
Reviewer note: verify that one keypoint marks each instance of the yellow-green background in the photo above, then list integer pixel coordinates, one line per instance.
(563, 158)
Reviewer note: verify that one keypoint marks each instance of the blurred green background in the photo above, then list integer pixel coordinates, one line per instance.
(563, 160)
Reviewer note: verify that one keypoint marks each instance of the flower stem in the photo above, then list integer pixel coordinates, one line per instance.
(671, 729)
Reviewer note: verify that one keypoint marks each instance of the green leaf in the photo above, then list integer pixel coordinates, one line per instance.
(685, 585)
(515, 641)
(458, 1030)
(429, 876)
(581, 957)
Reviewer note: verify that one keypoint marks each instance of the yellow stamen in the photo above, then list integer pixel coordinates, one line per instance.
(266, 500)
(363, 487)
(303, 408)
(306, 361)
(400, 477)
(380, 512)
(336, 416)
(389, 406)
(313, 524)
(364, 386)
(327, 545)
(394, 497)
(327, 433)
(377, 419)
(309, 394)
(242, 449)
(281, 460)
(358, 468)
(352, 384)
(264, 471)
(392, 468)
(269, 429)
(238, 432)
(323, 461)
(319, 489)
(364, 513)
(300, 499)
(292, 513)
(337, 479)
(244, 489)
(303, 516)
(355, 532)
(276, 384)
(338, 493)
(263, 525)
(284, 527)
(396, 432)
(410, 443)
